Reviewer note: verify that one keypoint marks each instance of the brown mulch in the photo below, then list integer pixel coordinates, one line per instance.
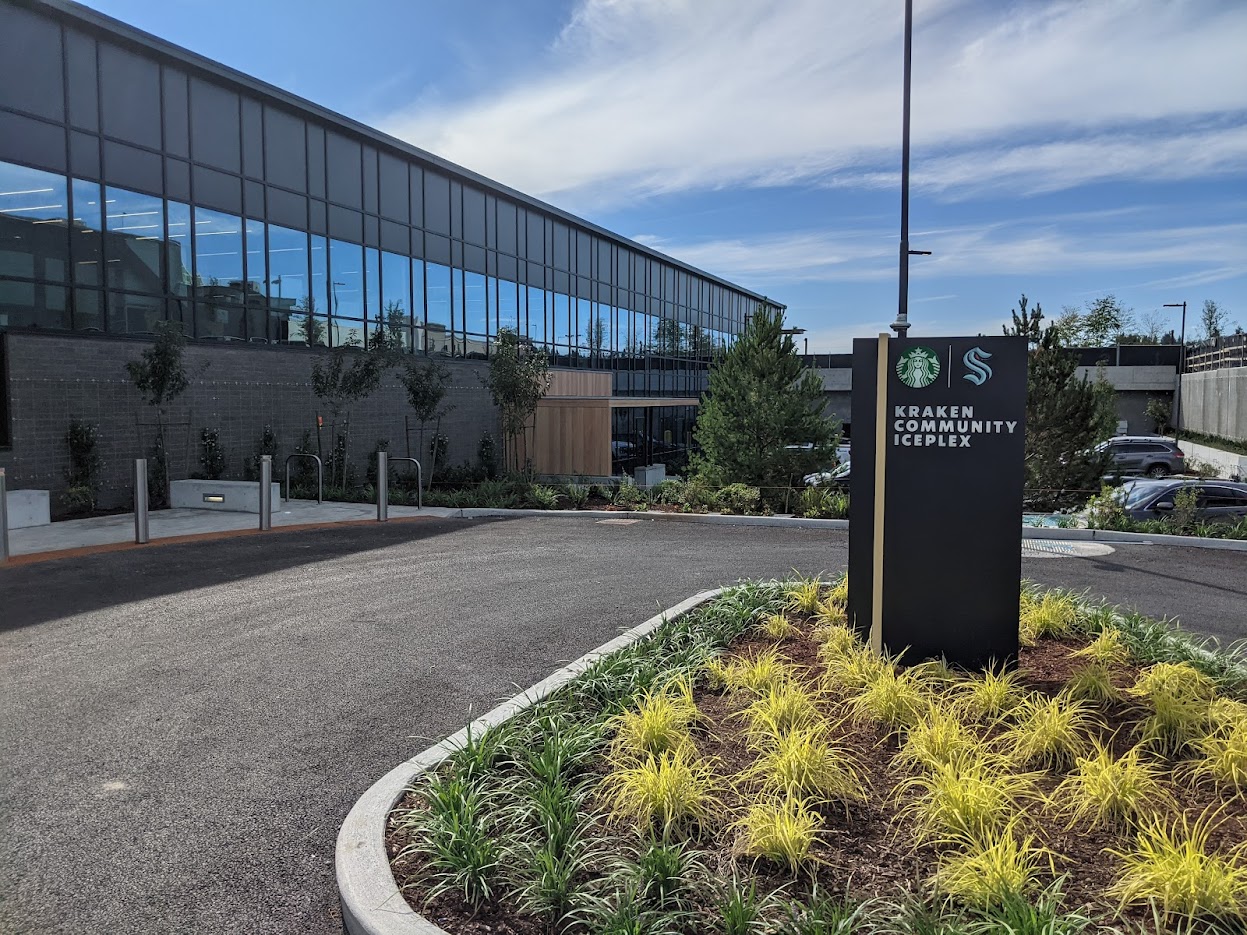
(864, 850)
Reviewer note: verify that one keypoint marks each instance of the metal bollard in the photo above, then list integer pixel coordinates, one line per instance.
(266, 492)
(4, 518)
(140, 501)
(383, 486)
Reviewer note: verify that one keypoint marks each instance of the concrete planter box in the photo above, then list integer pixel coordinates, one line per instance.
(28, 508)
(235, 496)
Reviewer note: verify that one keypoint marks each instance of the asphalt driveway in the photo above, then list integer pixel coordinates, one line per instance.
(184, 727)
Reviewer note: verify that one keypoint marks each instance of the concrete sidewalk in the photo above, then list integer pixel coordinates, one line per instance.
(167, 524)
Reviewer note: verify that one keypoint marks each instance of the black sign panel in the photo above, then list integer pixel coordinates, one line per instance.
(954, 437)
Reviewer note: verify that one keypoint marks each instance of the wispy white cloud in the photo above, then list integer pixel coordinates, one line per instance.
(642, 97)
(1204, 253)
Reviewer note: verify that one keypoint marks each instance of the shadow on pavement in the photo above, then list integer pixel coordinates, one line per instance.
(49, 590)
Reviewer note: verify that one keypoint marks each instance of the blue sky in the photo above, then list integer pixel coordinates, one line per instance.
(1060, 149)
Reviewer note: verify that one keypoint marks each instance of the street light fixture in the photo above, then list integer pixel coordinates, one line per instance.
(1177, 396)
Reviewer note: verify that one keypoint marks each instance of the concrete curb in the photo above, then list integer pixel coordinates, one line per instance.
(371, 901)
(801, 522)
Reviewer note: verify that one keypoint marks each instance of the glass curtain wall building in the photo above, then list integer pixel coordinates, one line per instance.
(140, 183)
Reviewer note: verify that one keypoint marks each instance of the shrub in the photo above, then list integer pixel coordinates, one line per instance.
(629, 495)
(739, 498)
(667, 491)
(543, 497)
(577, 495)
(822, 503)
(82, 475)
(211, 457)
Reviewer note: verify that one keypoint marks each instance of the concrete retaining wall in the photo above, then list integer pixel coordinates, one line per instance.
(236, 389)
(1228, 464)
(1214, 402)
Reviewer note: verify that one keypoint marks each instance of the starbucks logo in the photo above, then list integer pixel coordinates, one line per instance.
(918, 367)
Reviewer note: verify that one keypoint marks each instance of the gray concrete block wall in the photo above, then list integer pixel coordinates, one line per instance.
(1214, 402)
(53, 379)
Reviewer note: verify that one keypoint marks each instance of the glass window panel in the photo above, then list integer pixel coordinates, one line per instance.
(508, 306)
(473, 216)
(346, 266)
(456, 303)
(33, 223)
(132, 313)
(536, 315)
(177, 248)
(85, 237)
(257, 267)
(318, 293)
(475, 304)
(134, 226)
(437, 290)
(564, 323)
(344, 332)
(345, 170)
(417, 303)
(287, 282)
(218, 275)
(215, 136)
(506, 227)
(436, 203)
(372, 283)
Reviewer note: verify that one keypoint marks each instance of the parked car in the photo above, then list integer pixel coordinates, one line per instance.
(837, 477)
(1216, 501)
(1144, 454)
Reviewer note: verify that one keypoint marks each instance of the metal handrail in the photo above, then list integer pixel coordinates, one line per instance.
(320, 474)
(419, 479)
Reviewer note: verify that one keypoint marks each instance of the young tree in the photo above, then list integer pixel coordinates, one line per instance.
(344, 377)
(1066, 417)
(426, 385)
(1104, 320)
(160, 376)
(762, 419)
(518, 378)
(1213, 320)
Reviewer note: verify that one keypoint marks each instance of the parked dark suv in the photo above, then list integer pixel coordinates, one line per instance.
(1144, 454)
(1216, 501)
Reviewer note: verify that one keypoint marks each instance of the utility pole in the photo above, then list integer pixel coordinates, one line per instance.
(901, 325)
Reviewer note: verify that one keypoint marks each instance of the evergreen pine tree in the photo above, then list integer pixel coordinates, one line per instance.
(1066, 416)
(761, 401)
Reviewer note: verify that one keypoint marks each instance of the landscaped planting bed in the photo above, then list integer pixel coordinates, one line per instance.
(752, 768)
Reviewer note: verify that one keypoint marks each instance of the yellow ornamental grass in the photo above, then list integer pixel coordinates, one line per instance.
(835, 640)
(1107, 649)
(894, 700)
(1227, 714)
(716, 672)
(994, 869)
(804, 595)
(990, 697)
(659, 724)
(778, 626)
(939, 738)
(803, 763)
(1051, 732)
(783, 830)
(1050, 615)
(779, 709)
(1222, 759)
(758, 673)
(1180, 699)
(670, 793)
(967, 801)
(839, 594)
(1103, 791)
(1093, 683)
(1172, 869)
(854, 669)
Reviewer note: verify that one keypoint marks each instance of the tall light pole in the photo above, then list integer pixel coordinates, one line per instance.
(901, 325)
(1177, 396)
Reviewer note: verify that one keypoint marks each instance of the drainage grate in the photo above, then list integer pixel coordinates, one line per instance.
(617, 522)
(1059, 548)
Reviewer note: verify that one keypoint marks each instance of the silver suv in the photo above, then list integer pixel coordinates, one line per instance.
(1144, 454)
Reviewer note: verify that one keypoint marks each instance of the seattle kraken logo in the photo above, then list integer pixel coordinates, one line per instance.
(975, 361)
